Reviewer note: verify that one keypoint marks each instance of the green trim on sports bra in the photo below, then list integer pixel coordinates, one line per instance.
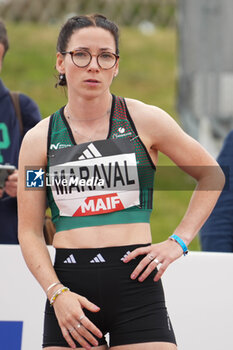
(125, 216)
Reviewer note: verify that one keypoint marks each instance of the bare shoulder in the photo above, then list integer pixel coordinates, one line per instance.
(139, 106)
(40, 130)
(151, 120)
(162, 133)
(142, 112)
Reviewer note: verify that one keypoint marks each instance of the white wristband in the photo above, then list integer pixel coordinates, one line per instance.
(51, 286)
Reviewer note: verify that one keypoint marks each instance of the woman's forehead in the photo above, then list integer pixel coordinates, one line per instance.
(92, 37)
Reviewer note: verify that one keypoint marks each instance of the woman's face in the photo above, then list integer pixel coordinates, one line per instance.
(91, 80)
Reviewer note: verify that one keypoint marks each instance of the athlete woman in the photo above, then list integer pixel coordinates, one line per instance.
(100, 152)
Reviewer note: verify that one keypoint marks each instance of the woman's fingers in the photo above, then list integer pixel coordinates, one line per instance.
(85, 303)
(66, 335)
(161, 254)
(81, 334)
(136, 252)
(91, 327)
(80, 339)
(140, 267)
(150, 268)
(84, 335)
(11, 184)
(74, 323)
(161, 270)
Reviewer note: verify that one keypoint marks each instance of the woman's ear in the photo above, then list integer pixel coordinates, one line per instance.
(116, 68)
(60, 63)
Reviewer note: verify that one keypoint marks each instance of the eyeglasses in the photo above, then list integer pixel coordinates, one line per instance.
(81, 58)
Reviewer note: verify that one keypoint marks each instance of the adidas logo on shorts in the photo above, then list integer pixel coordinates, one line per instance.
(126, 254)
(98, 259)
(70, 260)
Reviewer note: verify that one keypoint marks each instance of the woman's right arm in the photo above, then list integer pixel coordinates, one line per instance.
(31, 211)
(31, 207)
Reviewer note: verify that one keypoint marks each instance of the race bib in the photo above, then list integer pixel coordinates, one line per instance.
(94, 178)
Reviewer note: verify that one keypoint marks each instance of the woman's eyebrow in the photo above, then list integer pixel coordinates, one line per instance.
(105, 49)
(88, 48)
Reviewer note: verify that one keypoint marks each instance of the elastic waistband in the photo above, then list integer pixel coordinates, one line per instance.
(93, 256)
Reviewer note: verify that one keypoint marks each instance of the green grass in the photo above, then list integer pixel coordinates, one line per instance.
(147, 72)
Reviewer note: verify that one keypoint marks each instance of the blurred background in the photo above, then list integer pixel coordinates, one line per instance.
(173, 54)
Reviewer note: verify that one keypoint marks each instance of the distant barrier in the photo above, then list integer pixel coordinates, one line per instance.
(199, 293)
(160, 12)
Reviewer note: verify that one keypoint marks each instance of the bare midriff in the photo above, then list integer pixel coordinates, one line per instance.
(104, 236)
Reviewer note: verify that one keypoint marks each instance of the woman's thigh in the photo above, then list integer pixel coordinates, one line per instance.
(146, 346)
(102, 347)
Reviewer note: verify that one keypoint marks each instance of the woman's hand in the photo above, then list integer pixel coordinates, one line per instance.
(1, 192)
(162, 254)
(68, 308)
(11, 183)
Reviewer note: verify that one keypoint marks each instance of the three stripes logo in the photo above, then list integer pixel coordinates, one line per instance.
(126, 254)
(90, 152)
(98, 259)
(70, 260)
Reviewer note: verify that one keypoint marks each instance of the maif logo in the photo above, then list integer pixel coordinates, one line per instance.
(99, 205)
(35, 178)
(11, 335)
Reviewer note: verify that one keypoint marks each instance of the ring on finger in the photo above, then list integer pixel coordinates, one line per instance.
(156, 261)
(71, 330)
(81, 318)
(150, 256)
(78, 325)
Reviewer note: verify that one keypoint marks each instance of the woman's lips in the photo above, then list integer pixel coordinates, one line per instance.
(92, 82)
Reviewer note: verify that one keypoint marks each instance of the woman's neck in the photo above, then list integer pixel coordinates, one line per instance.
(88, 109)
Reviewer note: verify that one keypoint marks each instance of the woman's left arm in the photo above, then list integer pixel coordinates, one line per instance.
(165, 135)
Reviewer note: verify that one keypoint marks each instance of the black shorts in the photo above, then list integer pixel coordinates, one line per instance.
(131, 311)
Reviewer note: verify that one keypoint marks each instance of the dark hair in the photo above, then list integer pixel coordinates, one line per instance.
(79, 22)
(3, 37)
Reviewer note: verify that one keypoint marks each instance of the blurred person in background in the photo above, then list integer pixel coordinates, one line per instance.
(216, 234)
(105, 276)
(10, 141)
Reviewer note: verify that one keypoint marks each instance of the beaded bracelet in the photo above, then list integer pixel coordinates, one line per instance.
(58, 292)
(180, 241)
